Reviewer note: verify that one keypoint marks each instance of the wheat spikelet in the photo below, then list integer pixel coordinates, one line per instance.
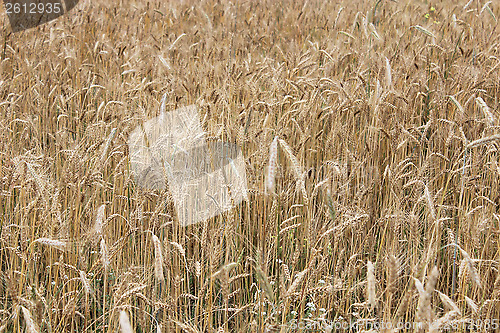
(458, 105)
(272, 328)
(472, 305)
(107, 144)
(425, 31)
(125, 322)
(419, 286)
(448, 302)
(424, 310)
(490, 119)
(296, 282)
(42, 185)
(430, 202)
(28, 319)
(438, 324)
(388, 75)
(286, 272)
(186, 327)
(482, 141)
(58, 244)
(158, 259)
(85, 283)
(179, 248)
(297, 169)
(371, 285)
(271, 167)
(104, 254)
(472, 272)
(197, 269)
(224, 281)
(392, 275)
(262, 277)
(130, 292)
(496, 286)
(462, 270)
(99, 222)
(239, 276)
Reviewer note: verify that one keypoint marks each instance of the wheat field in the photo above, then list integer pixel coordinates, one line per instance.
(370, 132)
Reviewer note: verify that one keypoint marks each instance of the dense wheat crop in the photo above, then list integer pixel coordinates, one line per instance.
(379, 120)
